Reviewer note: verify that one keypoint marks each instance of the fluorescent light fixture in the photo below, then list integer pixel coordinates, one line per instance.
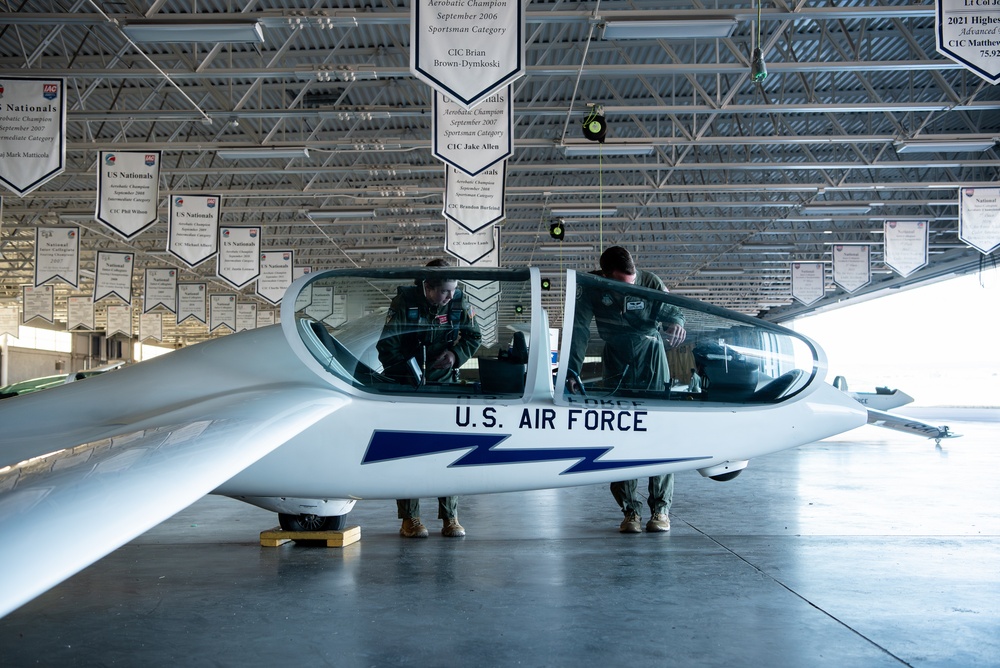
(566, 211)
(262, 153)
(721, 272)
(330, 214)
(668, 29)
(690, 291)
(944, 145)
(565, 248)
(193, 29)
(607, 149)
(364, 250)
(835, 208)
(768, 247)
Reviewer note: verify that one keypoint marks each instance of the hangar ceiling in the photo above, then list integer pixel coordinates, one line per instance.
(717, 208)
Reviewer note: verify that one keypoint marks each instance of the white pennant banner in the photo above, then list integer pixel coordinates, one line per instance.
(114, 276)
(80, 313)
(151, 326)
(321, 302)
(905, 245)
(222, 311)
(128, 190)
(37, 302)
(193, 234)
(160, 290)
(275, 274)
(192, 302)
(246, 317)
(57, 255)
(10, 320)
(808, 281)
(265, 317)
(239, 255)
(119, 321)
(979, 218)
(473, 139)
(32, 132)
(299, 272)
(467, 50)
(338, 314)
(471, 247)
(852, 267)
(475, 202)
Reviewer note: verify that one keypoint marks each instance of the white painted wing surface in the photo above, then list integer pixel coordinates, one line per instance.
(908, 425)
(65, 510)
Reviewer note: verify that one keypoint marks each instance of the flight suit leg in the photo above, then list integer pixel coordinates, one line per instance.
(407, 508)
(627, 496)
(447, 507)
(661, 493)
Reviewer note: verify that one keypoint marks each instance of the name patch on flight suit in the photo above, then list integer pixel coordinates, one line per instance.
(635, 305)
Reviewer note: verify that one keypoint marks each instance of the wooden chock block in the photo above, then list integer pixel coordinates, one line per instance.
(278, 536)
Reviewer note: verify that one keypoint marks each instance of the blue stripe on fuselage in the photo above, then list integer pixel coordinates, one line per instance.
(392, 445)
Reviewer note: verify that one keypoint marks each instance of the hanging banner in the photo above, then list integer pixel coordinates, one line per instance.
(32, 132)
(114, 276)
(321, 304)
(966, 32)
(304, 299)
(9, 320)
(265, 317)
(275, 274)
(979, 218)
(150, 326)
(246, 317)
(475, 202)
(193, 223)
(222, 311)
(57, 255)
(1, 225)
(299, 272)
(37, 302)
(808, 281)
(191, 302)
(905, 245)
(491, 259)
(852, 268)
(239, 255)
(473, 139)
(468, 246)
(119, 321)
(80, 313)
(160, 290)
(338, 316)
(467, 50)
(128, 190)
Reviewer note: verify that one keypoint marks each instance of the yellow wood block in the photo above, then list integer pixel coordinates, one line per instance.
(278, 536)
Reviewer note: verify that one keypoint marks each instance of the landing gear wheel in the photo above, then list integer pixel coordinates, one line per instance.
(309, 522)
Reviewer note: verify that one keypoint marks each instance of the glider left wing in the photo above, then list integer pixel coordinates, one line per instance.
(908, 425)
(61, 511)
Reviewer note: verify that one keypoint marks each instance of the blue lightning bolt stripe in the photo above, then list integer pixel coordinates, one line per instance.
(390, 445)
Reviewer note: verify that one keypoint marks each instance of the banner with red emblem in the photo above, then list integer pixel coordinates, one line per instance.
(32, 132)
(128, 190)
(193, 234)
(275, 274)
(239, 255)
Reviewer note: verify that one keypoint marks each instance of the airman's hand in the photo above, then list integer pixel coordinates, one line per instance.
(446, 360)
(674, 335)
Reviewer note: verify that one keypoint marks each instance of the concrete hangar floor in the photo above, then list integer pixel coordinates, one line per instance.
(870, 549)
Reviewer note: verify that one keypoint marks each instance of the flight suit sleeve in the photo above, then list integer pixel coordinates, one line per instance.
(668, 314)
(469, 339)
(581, 330)
(391, 344)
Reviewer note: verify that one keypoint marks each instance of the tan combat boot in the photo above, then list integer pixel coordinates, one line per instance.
(630, 524)
(658, 522)
(451, 528)
(412, 528)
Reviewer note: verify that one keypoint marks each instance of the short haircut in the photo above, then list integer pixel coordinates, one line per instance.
(437, 281)
(617, 258)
